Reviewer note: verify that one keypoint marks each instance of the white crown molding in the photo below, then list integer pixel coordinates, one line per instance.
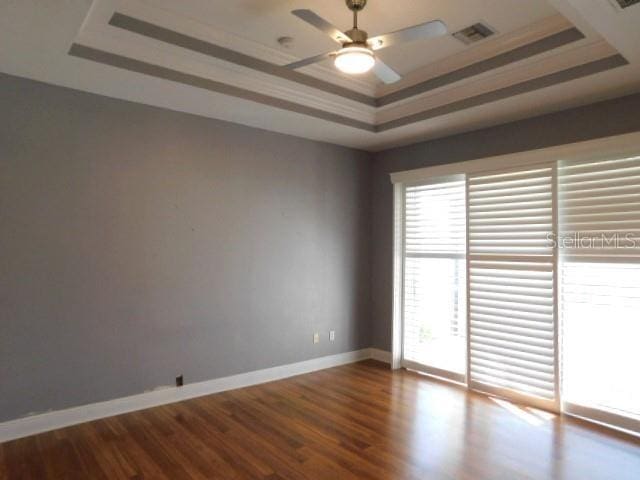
(528, 69)
(217, 34)
(40, 37)
(481, 51)
(96, 33)
(130, 45)
(618, 26)
(44, 422)
(177, 21)
(100, 35)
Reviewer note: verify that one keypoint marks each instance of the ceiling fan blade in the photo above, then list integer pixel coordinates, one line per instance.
(321, 24)
(308, 61)
(431, 29)
(385, 73)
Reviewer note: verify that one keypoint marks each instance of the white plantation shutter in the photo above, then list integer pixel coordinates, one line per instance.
(548, 232)
(511, 282)
(434, 275)
(600, 208)
(435, 219)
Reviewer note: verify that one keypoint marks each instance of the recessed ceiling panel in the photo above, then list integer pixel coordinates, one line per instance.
(264, 21)
(222, 59)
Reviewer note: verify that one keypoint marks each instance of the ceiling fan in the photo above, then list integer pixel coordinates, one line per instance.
(356, 54)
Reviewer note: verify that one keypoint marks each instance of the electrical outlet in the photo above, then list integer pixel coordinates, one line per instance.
(332, 335)
(316, 338)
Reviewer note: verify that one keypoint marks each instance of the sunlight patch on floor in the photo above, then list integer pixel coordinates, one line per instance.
(532, 416)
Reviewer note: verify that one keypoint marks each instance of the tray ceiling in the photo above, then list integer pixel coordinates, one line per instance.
(221, 59)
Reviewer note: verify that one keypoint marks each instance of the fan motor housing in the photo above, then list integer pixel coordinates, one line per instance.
(358, 36)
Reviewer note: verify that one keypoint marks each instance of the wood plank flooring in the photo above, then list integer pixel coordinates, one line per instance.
(359, 421)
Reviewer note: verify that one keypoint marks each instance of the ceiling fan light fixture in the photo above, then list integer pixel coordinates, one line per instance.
(354, 60)
(356, 53)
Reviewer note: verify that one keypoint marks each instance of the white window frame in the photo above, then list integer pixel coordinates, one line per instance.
(397, 356)
(603, 148)
(551, 405)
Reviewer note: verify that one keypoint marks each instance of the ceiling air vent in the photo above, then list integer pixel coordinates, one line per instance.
(626, 3)
(475, 33)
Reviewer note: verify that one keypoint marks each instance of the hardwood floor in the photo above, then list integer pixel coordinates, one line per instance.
(358, 421)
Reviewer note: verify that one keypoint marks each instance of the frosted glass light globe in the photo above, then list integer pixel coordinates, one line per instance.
(354, 60)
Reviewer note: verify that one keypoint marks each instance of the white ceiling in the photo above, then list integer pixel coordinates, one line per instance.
(35, 38)
(263, 21)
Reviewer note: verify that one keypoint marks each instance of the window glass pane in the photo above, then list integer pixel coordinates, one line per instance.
(601, 335)
(434, 269)
(599, 244)
(435, 313)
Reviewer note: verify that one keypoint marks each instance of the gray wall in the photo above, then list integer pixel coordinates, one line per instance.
(137, 244)
(597, 120)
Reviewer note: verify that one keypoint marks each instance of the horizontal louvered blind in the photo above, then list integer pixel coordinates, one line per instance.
(511, 277)
(434, 275)
(599, 208)
(435, 219)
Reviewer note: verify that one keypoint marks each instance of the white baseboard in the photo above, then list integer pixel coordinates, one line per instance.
(380, 355)
(44, 422)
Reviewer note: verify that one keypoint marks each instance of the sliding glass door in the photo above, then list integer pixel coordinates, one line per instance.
(524, 281)
(511, 284)
(434, 336)
(498, 284)
(599, 247)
